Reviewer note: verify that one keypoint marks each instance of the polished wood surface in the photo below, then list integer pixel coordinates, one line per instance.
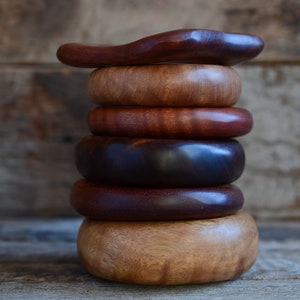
(165, 85)
(159, 162)
(180, 46)
(114, 203)
(169, 253)
(170, 122)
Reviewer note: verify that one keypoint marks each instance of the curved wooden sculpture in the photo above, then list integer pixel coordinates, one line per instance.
(159, 163)
(170, 123)
(115, 203)
(178, 46)
(168, 253)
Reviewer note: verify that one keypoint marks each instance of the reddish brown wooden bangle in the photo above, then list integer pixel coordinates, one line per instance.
(113, 203)
(180, 46)
(159, 162)
(169, 253)
(170, 122)
(165, 85)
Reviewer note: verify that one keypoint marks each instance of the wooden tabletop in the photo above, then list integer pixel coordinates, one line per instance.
(38, 260)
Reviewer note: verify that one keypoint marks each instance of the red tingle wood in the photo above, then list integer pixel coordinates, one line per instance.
(154, 122)
(114, 203)
(178, 46)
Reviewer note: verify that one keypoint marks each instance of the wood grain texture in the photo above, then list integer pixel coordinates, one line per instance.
(43, 114)
(122, 22)
(177, 46)
(168, 253)
(159, 162)
(48, 266)
(170, 122)
(113, 203)
(165, 85)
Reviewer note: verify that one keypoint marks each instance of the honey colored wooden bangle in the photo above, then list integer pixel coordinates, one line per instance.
(170, 122)
(169, 253)
(159, 162)
(181, 46)
(165, 85)
(113, 203)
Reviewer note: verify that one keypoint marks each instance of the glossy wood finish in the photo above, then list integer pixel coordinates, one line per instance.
(165, 85)
(180, 46)
(170, 122)
(114, 203)
(169, 253)
(159, 162)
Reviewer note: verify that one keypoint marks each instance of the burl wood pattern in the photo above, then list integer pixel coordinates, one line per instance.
(159, 162)
(169, 253)
(180, 46)
(153, 122)
(165, 85)
(114, 203)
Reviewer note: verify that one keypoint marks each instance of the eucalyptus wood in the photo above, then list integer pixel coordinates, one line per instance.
(171, 123)
(159, 162)
(113, 203)
(180, 46)
(169, 253)
(165, 85)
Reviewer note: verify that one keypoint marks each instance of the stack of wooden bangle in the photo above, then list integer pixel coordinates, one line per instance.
(158, 168)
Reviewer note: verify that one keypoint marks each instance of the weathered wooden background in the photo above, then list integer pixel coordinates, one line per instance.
(43, 104)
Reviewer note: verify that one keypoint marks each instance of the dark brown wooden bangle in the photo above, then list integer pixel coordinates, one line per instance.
(114, 203)
(165, 85)
(159, 162)
(179, 46)
(170, 122)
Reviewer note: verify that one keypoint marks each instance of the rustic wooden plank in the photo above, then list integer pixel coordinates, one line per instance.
(51, 272)
(71, 280)
(40, 240)
(55, 241)
(115, 22)
(276, 261)
(271, 181)
(57, 273)
(43, 115)
(269, 290)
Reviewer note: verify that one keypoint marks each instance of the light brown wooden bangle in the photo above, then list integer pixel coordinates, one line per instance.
(165, 85)
(169, 253)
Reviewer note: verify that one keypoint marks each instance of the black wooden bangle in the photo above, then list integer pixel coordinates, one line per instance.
(158, 162)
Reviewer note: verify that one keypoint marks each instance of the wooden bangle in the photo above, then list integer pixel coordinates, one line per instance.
(113, 203)
(169, 253)
(180, 46)
(158, 162)
(165, 85)
(170, 122)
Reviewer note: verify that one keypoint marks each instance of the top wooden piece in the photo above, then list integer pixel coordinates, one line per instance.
(178, 46)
